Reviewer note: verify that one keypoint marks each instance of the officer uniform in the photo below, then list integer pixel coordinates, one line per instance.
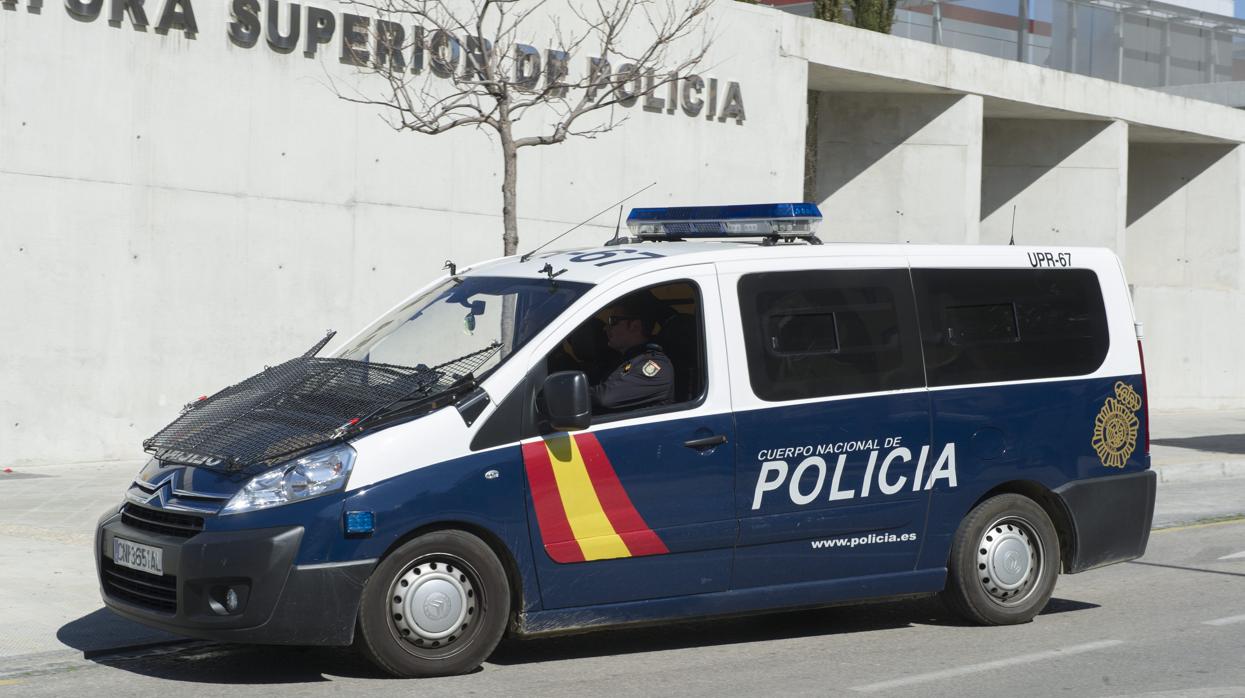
(645, 378)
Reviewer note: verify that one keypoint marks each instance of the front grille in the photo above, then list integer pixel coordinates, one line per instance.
(139, 588)
(160, 521)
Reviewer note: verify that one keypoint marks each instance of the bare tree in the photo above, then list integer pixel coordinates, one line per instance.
(450, 63)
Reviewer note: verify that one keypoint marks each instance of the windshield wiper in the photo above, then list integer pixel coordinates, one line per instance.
(437, 387)
(315, 348)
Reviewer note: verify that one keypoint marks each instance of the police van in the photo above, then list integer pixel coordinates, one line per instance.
(803, 425)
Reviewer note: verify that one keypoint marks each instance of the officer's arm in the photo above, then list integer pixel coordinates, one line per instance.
(630, 389)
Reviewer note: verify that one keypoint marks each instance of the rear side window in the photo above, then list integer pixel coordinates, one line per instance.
(987, 325)
(822, 333)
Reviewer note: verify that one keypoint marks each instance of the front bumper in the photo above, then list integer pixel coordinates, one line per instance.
(280, 602)
(1111, 518)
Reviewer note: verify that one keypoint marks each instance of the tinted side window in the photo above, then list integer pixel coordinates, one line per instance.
(820, 333)
(986, 325)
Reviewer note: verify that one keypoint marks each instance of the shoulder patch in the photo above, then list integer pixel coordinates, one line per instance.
(650, 368)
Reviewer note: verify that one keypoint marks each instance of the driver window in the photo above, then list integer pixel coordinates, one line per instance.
(643, 351)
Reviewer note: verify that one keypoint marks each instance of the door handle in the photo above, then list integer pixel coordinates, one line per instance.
(706, 442)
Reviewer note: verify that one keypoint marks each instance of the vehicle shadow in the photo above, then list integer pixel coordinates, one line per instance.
(105, 638)
(765, 627)
(250, 664)
(1218, 443)
(838, 620)
(104, 631)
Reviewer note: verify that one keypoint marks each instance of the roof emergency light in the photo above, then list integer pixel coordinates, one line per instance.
(774, 221)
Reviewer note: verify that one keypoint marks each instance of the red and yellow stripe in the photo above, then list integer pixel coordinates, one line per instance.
(582, 509)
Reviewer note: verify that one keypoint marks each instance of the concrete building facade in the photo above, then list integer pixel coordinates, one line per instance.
(178, 210)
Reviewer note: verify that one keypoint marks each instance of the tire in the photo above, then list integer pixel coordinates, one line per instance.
(436, 606)
(988, 580)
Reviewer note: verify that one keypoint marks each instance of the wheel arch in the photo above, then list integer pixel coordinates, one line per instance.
(510, 564)
(1051, 504)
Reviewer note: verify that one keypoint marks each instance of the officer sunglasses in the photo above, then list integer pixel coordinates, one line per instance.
(613, 320)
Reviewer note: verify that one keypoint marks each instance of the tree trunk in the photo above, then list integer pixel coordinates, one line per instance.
(510, 223)
(810, 149)
(509, 190)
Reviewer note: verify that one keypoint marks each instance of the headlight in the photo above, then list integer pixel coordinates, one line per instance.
(310, 476)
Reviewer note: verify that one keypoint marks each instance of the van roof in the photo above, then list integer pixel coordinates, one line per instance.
(596, 264)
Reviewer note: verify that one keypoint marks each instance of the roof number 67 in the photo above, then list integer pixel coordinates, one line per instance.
(607, 257)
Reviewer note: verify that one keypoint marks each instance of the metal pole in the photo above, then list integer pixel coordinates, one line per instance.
(937, 28)
(1022, 32)
(1165, 54)
(1119, 46)
(1214, 56)
(1073, 11)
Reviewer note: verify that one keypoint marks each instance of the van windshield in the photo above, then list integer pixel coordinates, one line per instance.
(462, 316)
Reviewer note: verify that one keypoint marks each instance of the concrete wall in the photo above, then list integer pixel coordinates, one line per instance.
(899, 167)
(845, 59)
(1029, 164)
(1186, 259)
(1231, 94)
(177, 212)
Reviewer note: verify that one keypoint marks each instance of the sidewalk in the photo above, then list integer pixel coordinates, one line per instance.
(47, 528)
(51, 604)
(1192, 446)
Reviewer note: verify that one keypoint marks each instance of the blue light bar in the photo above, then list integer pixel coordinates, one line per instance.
(745, 220)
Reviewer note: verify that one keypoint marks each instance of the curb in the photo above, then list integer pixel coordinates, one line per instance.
(56, 661)
(107, 652)
(1195, 522)
(1200, 471)
(41, 663)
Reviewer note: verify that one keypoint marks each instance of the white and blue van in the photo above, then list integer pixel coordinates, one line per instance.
(845, 422)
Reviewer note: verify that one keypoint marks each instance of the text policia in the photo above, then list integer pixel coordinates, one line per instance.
(889, 474)
(401, 48)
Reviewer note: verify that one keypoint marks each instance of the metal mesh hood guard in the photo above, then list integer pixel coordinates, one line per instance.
(289, 409)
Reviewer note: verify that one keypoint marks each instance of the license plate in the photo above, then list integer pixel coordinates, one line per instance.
(136, 556)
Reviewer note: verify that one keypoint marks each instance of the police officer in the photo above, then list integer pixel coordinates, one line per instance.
(645, 377)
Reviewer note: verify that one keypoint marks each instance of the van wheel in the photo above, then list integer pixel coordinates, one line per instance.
(1004, 562)
(436, 606)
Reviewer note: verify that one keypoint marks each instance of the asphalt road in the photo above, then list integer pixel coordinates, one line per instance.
(1170, 624)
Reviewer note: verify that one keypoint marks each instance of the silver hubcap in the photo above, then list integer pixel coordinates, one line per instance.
(432, 603)
(1009, 560)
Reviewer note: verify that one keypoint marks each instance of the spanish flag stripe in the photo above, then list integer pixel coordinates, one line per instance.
(564, 552)
(622, 514)
(592, 528)
(555, 530)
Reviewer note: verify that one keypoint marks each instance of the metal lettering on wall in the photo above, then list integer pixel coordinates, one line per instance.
(365, 41)
(176, 15)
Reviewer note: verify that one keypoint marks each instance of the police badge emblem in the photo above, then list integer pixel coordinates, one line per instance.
(650, 368)
(1115, 428)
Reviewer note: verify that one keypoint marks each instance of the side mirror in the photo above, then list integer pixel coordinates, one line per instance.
(565, 401)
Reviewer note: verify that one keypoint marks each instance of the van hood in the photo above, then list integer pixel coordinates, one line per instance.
(303, 404)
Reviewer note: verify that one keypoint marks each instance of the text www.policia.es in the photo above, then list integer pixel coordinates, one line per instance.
(871, 539)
